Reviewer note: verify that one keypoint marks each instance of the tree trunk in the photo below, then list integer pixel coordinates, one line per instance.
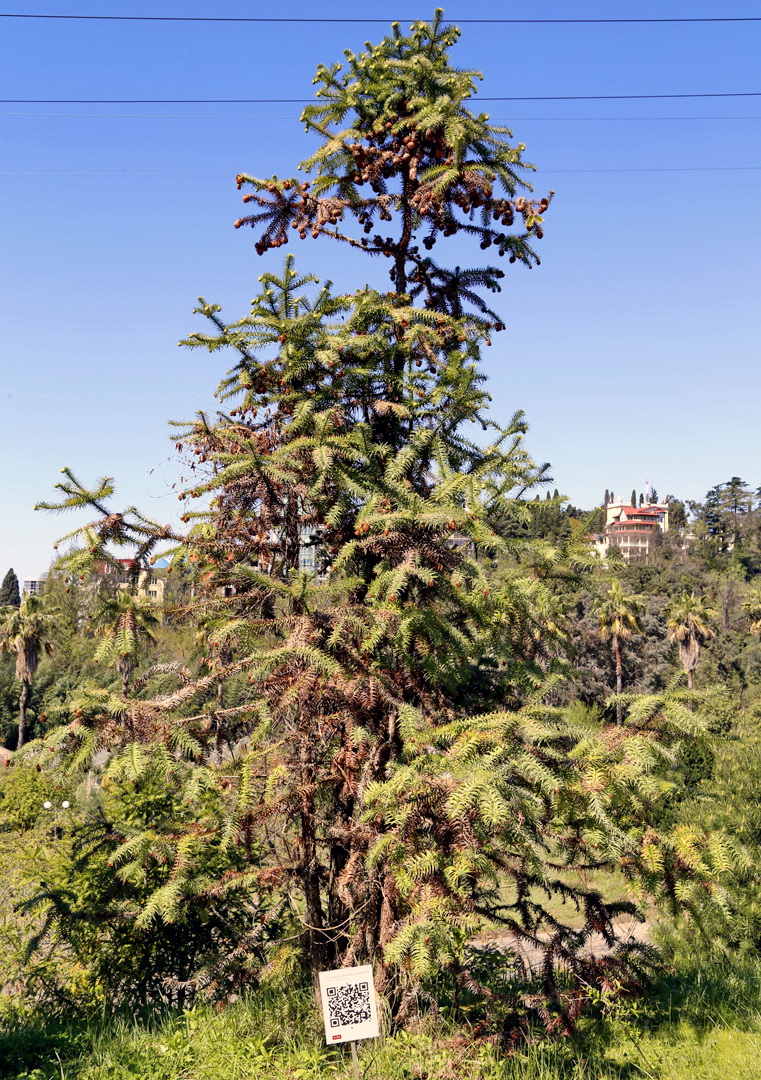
(124, 667)
(339, 857)
(309, 869)
(619, 678)
(219, 737)
(23, 699)
(689, 654)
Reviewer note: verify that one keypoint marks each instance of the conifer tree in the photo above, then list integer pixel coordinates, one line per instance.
(399, 146)
(395, 751)
(9, 590)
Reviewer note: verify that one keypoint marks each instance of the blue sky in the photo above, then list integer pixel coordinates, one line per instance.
(633, 349)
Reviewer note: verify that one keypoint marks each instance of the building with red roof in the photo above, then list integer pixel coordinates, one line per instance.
(634, 530)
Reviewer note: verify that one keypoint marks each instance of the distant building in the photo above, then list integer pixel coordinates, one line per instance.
(150, 583)
(33, 587)
(308, 542)
(313, 558)
(634, 530)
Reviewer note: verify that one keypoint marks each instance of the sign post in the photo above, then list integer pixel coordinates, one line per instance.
(349, 1007)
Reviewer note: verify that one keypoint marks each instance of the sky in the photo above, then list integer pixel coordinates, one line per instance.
(633, 349)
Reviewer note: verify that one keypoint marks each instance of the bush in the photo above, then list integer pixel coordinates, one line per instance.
(146, 919)
(724, 802)
(23, 790)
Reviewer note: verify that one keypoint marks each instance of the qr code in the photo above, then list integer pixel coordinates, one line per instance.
(348, 1004)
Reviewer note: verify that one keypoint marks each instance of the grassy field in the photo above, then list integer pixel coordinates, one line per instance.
(705, 1025)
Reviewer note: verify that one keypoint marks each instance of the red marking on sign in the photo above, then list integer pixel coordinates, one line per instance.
(336, 1037)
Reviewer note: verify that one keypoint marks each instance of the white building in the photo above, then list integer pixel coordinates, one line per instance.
(634, 530)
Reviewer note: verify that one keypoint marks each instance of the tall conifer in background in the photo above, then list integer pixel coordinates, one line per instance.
(10, 596)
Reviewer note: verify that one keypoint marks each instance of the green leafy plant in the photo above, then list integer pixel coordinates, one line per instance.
(147, 894)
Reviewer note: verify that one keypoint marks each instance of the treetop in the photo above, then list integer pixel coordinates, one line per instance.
(399, 144)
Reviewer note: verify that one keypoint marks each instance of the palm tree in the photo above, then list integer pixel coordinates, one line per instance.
(127, 623)
(752, 609)
(25, 632)
(618, 614)
(688, 620)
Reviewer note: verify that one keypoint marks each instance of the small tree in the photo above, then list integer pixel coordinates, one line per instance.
(677, 511)
(738, 496)
(752, 609)
(618, 614)
(9, 591)
(26, 633)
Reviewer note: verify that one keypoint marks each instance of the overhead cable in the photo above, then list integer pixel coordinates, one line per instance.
(539, 172)
(317, 19)
(294, 119)
(316, 101)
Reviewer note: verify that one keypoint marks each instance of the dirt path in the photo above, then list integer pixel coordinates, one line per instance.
(626, 928)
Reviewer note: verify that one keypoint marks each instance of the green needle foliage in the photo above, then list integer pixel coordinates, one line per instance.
(142, 899)
(399, 145)
(9, 590)
(390, 769)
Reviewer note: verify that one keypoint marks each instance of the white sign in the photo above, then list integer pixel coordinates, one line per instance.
(349, 1008)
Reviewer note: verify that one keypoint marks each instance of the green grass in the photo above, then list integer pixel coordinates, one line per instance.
(702, 1025)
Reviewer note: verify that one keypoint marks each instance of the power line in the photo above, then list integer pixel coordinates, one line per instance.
(680, 169)
(314, 101)
(310, 19)
(293, 118)
(540, 171)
